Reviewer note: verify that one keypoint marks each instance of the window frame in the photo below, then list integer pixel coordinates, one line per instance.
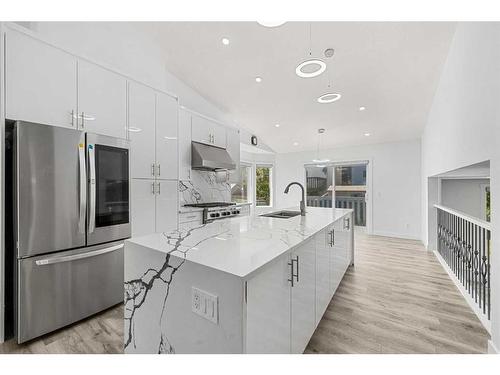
(250, 192)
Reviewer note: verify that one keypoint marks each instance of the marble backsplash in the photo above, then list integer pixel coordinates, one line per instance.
(204, 187)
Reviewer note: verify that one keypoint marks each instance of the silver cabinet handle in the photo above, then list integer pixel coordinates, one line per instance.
(291, 272)
(153, 188)
(92, 202)
(159, 189)
(159, 169)
(347, 223)
(73, 118)
(297, 263)
(83, 187)
(153, 169)
(83, 120)
(69, 258)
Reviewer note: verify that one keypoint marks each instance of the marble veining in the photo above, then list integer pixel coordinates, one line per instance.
(204, 187)
(241, 245)
(137, 290)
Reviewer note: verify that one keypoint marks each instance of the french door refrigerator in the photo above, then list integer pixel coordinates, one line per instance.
(71, 215)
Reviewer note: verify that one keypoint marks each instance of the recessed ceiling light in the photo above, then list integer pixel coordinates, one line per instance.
(362, 108)
(258, 79)
(225, 41)
(329, 97)
(277, 125)
(321, 67)
(271, 23)
(295, 143)
(133, 129)
(367, 134)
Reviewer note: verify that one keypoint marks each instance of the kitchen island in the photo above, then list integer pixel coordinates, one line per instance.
(242, 285)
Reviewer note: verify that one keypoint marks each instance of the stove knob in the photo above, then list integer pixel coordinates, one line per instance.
(212, 215)
(238, 211)
(217, 214)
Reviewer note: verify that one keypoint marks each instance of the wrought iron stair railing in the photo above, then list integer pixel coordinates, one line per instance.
(464, 243)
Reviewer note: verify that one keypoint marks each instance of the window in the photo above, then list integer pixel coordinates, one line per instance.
(319, 182)
(263, 177)
(240, 191)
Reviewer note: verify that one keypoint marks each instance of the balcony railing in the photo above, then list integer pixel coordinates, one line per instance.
(464, 244)
(358, 205)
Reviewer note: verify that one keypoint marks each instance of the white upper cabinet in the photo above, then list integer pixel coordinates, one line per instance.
(166, 137)
(184, 145)
(102, 100)
(141, 128)
(208, 132)
(233, 148)
(41, 82)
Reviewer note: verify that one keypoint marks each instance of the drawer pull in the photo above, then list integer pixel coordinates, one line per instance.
(69, 258)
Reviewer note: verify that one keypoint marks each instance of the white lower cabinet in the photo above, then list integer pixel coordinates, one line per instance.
(166, 205)
(153, 206)
(268, 309)
(303, 319)
(281, 317)
(323, 295)
(142, 207)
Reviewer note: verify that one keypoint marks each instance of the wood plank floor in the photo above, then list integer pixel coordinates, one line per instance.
(396, 299)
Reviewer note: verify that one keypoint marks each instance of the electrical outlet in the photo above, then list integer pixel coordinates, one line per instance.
(205, 304)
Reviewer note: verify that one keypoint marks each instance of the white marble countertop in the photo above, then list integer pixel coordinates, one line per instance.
(186, 210)
(241, 245)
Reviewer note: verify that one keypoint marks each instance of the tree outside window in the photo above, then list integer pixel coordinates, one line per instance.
(263, 186)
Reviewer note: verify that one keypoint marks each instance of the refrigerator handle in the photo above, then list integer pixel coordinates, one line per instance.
(92, 193)
(83, 187)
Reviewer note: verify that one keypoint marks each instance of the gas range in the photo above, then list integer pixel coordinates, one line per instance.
(219, 210)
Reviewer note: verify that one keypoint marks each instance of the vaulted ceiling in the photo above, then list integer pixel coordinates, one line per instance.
(391, 69)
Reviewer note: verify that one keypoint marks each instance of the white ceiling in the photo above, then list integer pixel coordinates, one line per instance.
(390, 68)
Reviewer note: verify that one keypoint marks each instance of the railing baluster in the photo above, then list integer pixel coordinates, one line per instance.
(464, 245)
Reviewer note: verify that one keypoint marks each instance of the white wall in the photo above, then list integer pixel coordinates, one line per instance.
(395, 183)
(465, 195)
(462, 127)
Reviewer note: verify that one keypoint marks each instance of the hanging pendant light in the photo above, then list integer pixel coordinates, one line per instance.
(311, 67)
(318, 159)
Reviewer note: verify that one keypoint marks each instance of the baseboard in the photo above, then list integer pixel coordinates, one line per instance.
(492, 349)
(395, 235)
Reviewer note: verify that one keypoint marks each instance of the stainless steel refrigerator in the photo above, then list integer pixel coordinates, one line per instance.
(71, 215)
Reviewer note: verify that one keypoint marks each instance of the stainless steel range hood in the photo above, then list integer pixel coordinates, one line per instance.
(210, 158)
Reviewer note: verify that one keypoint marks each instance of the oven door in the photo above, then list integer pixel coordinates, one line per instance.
(108, 189)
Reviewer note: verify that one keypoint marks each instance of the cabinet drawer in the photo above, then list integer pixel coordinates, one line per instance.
(191, 216)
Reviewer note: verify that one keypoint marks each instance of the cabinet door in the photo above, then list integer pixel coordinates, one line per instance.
(303, 310)
(166, 205)
(268, 309)
(40, 82)
(141, 107)
(337, 257)
(208, 132)
(142, 207)
(233, 148)
(322, 272)
(166, 137)
(219, 135)
(184, 145)
(102, 100)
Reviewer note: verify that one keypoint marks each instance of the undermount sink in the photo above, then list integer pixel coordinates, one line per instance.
(282, 214)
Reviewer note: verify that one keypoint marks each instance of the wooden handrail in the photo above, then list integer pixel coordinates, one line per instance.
(463, 215)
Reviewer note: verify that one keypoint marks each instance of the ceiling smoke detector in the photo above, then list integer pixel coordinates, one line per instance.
(329, 52)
